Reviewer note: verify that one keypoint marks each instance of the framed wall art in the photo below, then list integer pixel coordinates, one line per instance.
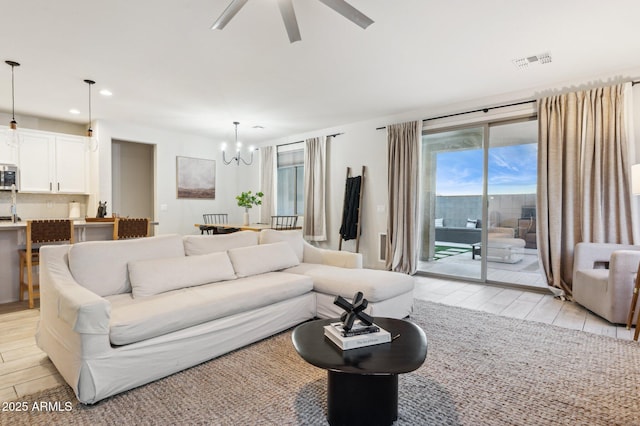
(195, 178)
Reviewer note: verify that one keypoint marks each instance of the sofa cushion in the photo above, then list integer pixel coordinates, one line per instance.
(505, 242)
(203, 244)
(375, 284)
(136, 320)
(293, 237)
(262, 258)
(101, 266)
(154, 276)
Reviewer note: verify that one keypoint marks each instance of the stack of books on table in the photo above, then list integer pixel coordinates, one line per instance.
(360, 335)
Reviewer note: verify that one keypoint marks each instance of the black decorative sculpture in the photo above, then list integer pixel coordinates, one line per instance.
(353, 310)
(102, 209)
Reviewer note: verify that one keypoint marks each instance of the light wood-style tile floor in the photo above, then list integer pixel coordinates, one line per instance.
(24, 369)
(516, 303)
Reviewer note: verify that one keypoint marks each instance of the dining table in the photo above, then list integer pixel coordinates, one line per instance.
(251, 227)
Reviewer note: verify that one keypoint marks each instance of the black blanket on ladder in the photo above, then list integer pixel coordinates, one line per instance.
(349, 227)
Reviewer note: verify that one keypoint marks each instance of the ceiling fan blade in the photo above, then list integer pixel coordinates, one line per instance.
(290, 21)
(349, 12)
(228, 13)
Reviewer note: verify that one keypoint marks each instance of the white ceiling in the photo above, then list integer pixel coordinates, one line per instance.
(167, 69)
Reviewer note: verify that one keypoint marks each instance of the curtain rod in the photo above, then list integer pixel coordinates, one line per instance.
(633, 83)
(292, 143)
(486, 109)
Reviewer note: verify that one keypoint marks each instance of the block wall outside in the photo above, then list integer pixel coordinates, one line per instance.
(456, 209)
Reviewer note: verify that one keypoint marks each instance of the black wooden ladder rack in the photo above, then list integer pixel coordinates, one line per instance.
(345, 206)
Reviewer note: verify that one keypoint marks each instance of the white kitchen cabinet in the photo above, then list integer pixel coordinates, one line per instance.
(71, 164)
(8, 154)
(53, 163)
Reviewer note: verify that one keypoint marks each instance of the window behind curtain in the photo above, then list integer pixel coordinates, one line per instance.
(290, 179)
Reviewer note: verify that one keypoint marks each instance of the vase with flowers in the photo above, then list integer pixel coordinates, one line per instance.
(248, 200)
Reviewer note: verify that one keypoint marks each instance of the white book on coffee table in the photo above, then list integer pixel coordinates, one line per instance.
(332, 331)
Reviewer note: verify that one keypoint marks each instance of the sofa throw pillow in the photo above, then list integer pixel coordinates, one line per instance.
(440, 222)
(262, 258)
(293, 237)
(471, 223)
(203, 244)
(101, 266)
(154, 276)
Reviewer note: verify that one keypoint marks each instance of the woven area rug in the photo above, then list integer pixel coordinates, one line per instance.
(481, 369)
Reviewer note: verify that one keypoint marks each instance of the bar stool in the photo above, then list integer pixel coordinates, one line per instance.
(130, 227)
(40, 232)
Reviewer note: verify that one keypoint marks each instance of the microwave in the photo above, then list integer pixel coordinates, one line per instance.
(8, 177)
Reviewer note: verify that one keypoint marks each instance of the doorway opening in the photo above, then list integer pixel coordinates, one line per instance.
(132, 179)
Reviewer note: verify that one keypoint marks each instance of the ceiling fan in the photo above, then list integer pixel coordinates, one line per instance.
(289, 15)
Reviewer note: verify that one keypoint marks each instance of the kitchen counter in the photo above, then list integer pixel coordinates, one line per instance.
(8, 225)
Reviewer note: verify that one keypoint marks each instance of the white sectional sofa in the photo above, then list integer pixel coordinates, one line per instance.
(119, 314)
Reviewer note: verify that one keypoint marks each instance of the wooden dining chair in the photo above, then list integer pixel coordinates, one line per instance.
(283, 222)
(213, 219)
(130, 227)
(38, 233)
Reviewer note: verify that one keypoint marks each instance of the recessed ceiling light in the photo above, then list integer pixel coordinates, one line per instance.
(105, 92)
(74, 111)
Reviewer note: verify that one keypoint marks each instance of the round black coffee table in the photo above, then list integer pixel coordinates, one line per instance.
(362, 383)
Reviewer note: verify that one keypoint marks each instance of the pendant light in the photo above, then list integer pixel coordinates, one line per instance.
(13, 137)
(92, 143)
(238, 156)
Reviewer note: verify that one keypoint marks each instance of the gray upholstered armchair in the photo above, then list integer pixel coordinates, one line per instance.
(603, 278)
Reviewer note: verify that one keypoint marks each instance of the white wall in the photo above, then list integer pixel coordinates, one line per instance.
(362, 144)
(174, 215)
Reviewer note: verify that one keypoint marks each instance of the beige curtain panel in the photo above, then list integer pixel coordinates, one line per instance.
(267, 182)
(315, 170)
(402, 221)
(583, 177)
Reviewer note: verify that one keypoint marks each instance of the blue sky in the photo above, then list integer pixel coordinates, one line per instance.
(512, 170)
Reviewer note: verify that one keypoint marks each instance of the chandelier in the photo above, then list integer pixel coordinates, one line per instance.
(238, 157)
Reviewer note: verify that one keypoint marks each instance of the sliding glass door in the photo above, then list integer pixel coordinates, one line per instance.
(478, 200)
(512, 255)
(452, 193)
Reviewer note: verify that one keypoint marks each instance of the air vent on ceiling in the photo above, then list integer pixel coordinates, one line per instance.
(523, 63)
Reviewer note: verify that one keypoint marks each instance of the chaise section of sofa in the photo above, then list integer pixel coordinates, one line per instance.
(340, 273)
